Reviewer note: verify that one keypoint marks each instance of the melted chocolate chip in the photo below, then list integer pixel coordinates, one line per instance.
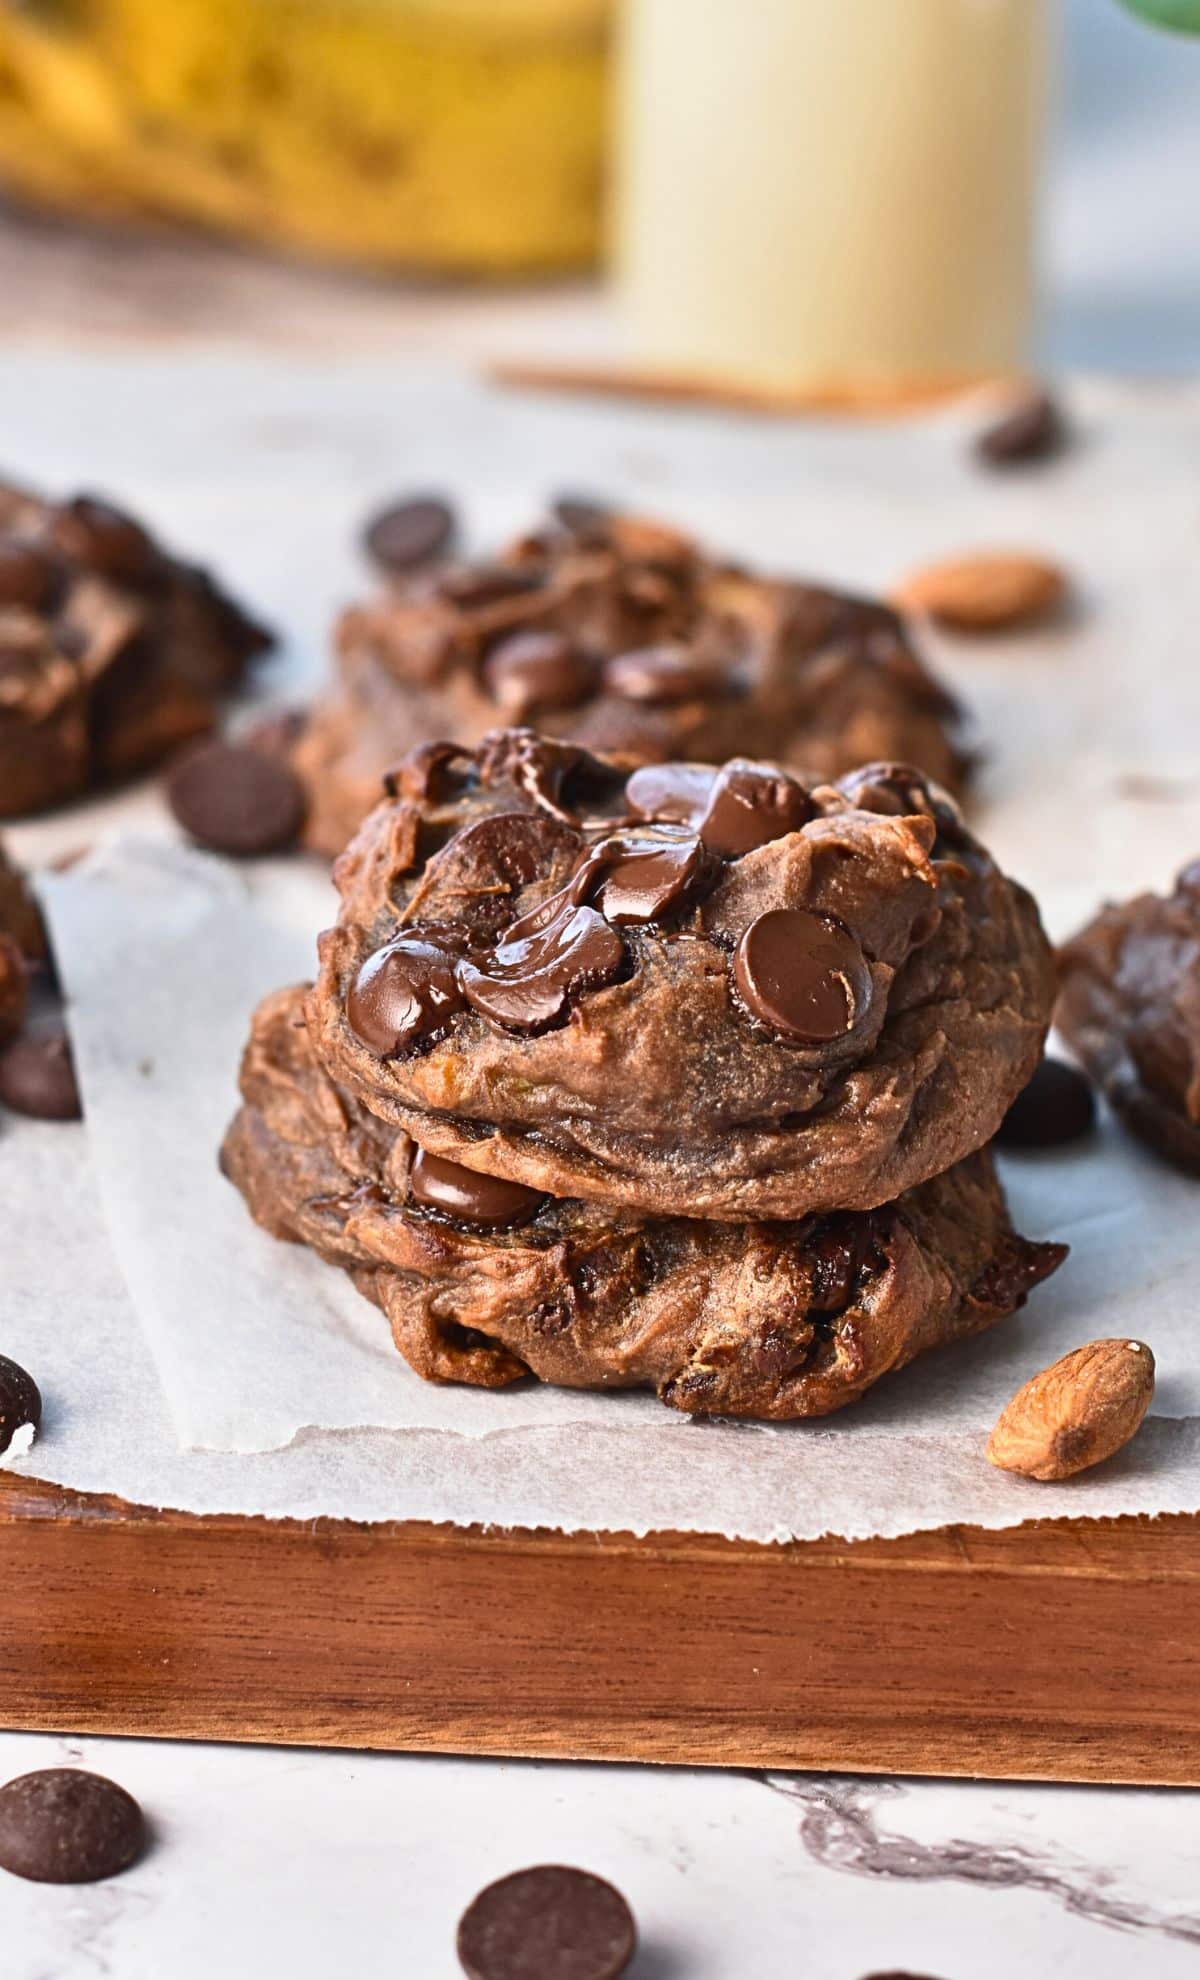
(749, 806)
(487, 1201)
(550, 953)
(670, 790)
(837, 1254)
(531, 671)
(803, 974)
(20, 1403)
(66, 1826)
(1057, 1106)
(645, 874)
(551, 1923)
(103, 539)
(236, 799)
(408, 534)
(405, 992)
(37, 1076)
(30, 576)
(1032, 430)
(665, 674)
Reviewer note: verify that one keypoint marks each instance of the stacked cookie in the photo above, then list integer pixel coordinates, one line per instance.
(679, 1079)
(619, 633)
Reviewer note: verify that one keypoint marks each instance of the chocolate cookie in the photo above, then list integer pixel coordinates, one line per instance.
(1130, 1008)
(623, 635)
(484, 1281)
(22, 946)
(111, 650)
(694, 992)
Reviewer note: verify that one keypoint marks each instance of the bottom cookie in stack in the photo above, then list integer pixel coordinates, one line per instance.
(486, 1282)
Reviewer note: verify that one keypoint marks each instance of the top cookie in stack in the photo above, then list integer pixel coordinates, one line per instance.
(719, 994)
(620, 634)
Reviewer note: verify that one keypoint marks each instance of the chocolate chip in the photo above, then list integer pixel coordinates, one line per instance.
(403, 993)
(236, 799)
(104, 539)
(670, 790)
(66, 1826)
(749, 806)
(423, 773)
(408, 534)
(488, 1201)
(1032, 430)
(555, 775)
(803, 974)
(550, 953)
(581, 515)
(647, 874)
(37, 1076)
(664, 674)
(29, 576)
(20, 1407)
(551, 1923)
(480, 585)
(1057, 1106)
(531, 671)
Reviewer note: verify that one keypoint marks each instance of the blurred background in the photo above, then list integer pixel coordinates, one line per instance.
(797, 195)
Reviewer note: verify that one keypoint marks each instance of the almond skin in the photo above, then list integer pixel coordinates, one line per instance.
(1075, 1413)
(987, 592)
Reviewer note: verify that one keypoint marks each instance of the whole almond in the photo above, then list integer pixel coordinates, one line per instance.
(986, 592)
(1076, 1412)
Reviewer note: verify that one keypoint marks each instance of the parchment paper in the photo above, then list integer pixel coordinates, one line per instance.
(1091, 788)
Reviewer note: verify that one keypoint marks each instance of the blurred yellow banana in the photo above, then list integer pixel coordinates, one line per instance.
(462, 135)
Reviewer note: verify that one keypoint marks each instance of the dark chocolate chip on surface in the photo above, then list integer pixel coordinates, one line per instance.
(803, 974)
(404, 992)
(20, 1407)
(749, 806)
(530, 671)
(551, 1923)
(487, 1201)
(103, 539)
(1057, 1106)
(408, 534)
(236, 799)
(664, 674)
(29, 576)
(1031, 430)
(66, 1826)
(37, 1076)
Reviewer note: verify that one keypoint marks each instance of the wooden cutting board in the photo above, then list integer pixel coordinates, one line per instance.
(1058, 1650)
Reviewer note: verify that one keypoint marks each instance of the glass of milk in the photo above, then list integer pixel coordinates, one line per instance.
(828, 193)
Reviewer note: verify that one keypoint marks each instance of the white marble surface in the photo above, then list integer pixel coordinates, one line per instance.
(269, 1862)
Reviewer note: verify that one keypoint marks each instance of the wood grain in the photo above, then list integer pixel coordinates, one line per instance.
(1058, 1650)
